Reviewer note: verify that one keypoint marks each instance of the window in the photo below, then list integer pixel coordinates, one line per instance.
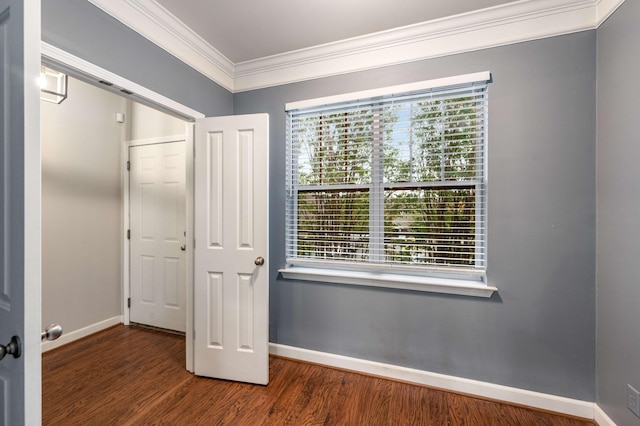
(390, 181)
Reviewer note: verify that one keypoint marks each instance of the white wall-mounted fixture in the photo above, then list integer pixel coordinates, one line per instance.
(53, 85)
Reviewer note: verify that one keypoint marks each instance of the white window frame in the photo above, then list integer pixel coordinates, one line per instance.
(417, 278)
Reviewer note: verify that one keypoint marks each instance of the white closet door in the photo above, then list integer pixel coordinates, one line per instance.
(157, 217)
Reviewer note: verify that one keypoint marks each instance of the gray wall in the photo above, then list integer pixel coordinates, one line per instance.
(618, 228)
(82, 29)
(538, 333)
(81, 208)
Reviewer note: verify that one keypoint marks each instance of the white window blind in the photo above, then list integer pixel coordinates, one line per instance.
(390, 182)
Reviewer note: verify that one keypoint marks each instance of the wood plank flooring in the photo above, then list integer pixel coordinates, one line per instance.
(135, 376)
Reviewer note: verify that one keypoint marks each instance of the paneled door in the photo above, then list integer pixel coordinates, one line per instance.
(231, 274)
(20, 193)
(158, 224)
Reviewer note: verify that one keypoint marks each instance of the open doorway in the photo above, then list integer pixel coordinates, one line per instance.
(85, 140)
(228, 215)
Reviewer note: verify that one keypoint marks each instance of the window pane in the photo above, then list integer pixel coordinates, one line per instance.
(333, 225)
(334, 148)
(430, 226)
(461, 139)
(433, 140)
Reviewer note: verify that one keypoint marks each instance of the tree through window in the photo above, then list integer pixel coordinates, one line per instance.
(393, 181)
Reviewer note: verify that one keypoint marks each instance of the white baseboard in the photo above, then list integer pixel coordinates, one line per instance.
(80, 333)
(601, 417)
(539, 400)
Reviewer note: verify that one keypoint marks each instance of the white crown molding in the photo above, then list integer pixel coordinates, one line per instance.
(497, 26)
(155, 23)
(604, 9)
(510, 23)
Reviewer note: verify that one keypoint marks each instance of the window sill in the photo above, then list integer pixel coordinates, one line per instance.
(405, 282)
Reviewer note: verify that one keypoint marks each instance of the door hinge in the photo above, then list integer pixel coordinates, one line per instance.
(128, 165)
(129, 302)
(128, 234)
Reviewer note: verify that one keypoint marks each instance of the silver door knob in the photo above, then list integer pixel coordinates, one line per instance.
(52, 332)
(259, 261)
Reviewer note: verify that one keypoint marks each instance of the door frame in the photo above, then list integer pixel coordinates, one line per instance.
(89, 72)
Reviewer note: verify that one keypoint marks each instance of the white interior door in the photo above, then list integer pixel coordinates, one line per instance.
(20, 383)
(158, 226)
(231, 275)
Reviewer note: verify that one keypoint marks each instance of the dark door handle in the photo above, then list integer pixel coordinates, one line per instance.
(14, 347)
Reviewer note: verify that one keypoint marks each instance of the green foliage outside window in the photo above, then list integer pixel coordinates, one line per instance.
(391, 183)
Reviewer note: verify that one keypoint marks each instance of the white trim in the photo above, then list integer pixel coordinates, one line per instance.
(124, 190)
(539, 400)
(22, 27)
(190, 242)
(496, 26)
(80, 333)
(405, 282)
(501, 25)
(605, 8)
(126, 225)
(90, 70)
(390, 90)
(154, 22)
(601, 418)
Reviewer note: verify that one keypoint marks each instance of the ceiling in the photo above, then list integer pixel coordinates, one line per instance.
(243, 30)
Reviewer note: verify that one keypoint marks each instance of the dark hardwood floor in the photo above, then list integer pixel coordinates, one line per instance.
(135, 376)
